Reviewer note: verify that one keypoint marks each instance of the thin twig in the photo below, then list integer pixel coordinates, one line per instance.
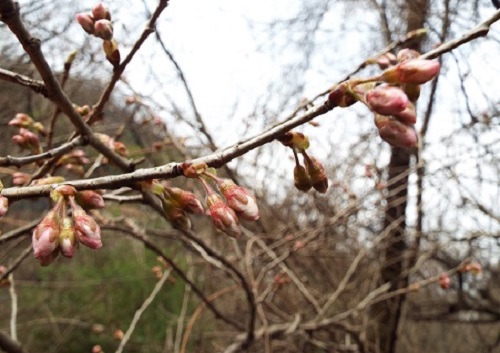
(140, 311)
(13, 312)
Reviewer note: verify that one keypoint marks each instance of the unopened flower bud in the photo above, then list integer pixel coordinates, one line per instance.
(176, 215)
(67, 241)
(408, 116)
(46, 235)
(240, 200)
(120, 148)
(193, 170)
(4, 205)
(101, 12)
(444, 281)
(407, 54)
(48, 259)
(86, 21)
(112, 52)
(341, 96)
(20, 178)
(223, 217)
(103, 29)
(386, 60)
(317, 174)
(90, 199)
(295, 139)
(416, 71)
(301, 179)
(395, 132)
(185, 200)
(87, 231)
(387, 100)
(118, 335)
(21, 120)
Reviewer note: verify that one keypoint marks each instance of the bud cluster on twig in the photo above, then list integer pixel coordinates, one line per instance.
(60, 233)
(98, 23)
(390, 95)
(312, 174)
(27, 138)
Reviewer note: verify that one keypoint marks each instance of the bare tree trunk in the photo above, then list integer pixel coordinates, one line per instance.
(388, 314)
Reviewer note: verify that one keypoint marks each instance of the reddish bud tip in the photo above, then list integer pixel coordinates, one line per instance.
(301, 179)
(90, 199)
(101, 12)
(86, 21)
(240, 200)
(103, 29)
(415, 71)
(317, 174)
(341, 96)
(387, 100)
(4, 205)
(223, 217)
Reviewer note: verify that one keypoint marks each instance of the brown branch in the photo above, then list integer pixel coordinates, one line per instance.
(8, 345)
(18, 232)
(17, 262)
(53, 153)
(14, 77)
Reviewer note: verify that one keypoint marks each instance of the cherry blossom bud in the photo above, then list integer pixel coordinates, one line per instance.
(240, 200)
(48, 259)
(120, 148)
(62, 191)
(301, 179)
(67, 241)
(295, 139)
(396, 133)
(87, 231)
(86, 21)
(90, 199)
(386, 60)
(416, 71)
(20, 178)
(407, 54)
(46, 236)
(473, 267)
(317, 174)
(4, 205)
(223, 217)
(341, 96)
(175, 215)
(193, 170)
(118, 335)
(101, 12)
(185, 200)
(407, 116)
(387, 100)
(112, 52)
(103, 29)
(412, 92)
(444, 281)
(21, 120)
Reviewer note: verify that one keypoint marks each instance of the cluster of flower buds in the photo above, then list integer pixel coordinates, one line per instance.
(29, 129)
(98, 23)
(176, 203)
(60, 233)
(75, 160)
(313, 173)
(229, 205)
(117, 146)
(4, 202)
(392, 101)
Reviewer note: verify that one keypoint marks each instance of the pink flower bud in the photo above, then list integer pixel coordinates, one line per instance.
(185, 200)
(103, 29)
(407, 54)
(101, 12)
(120, 148)
(386, 60)
(21, 120)
(90, 199)
(46, 235)
(48, 259)
(19, 178)
(407, 116)
(87, 231)
(4, 205)
(387, 100)
(317, 174)
(396, 133)
(223, 217)
(86, 21)
(416, 71)
(341, 96)
(67, 242)
(444, 281)
(240, 200)
(301, 178)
